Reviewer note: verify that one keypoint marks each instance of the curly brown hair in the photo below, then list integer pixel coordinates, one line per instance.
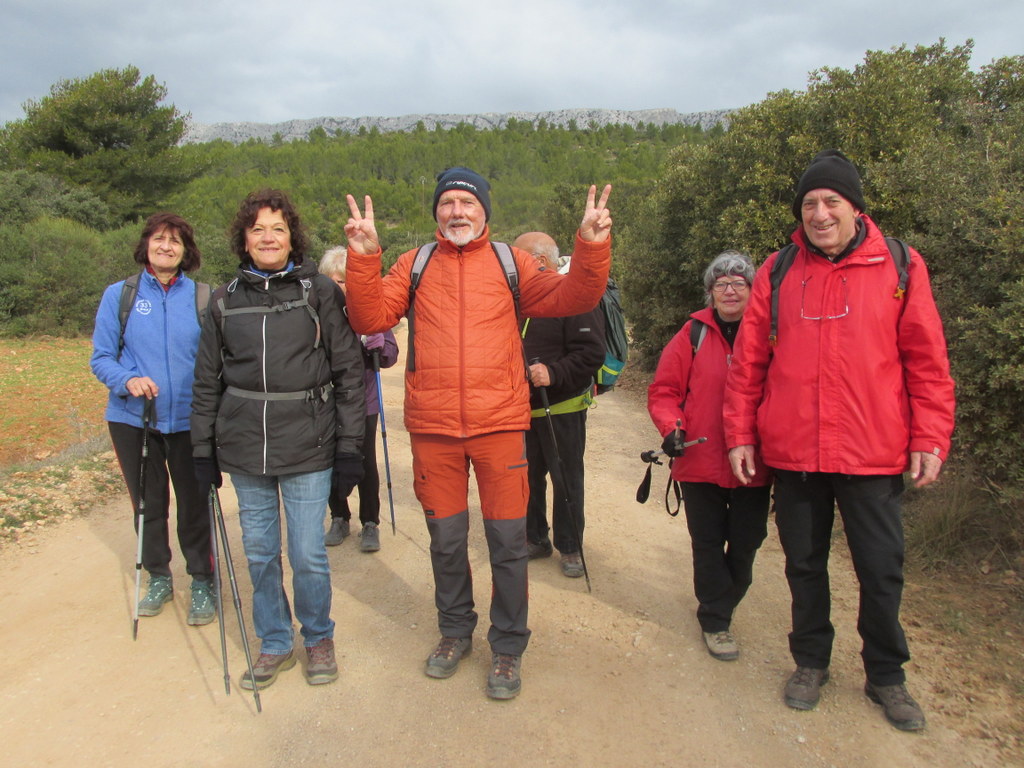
(158, 221)
(275, 200)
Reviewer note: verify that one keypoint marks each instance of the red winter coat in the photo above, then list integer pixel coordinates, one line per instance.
(858, 379)
(691, 388)
(470, 378)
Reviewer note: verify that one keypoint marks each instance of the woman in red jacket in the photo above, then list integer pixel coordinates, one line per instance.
(727, 521)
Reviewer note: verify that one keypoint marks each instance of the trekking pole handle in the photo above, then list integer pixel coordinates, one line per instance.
(651, 457)
(375, 356)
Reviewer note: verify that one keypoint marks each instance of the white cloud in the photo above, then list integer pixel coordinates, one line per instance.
(271, 61)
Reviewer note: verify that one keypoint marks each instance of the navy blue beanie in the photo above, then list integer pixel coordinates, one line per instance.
(830, 169)
(467, 180)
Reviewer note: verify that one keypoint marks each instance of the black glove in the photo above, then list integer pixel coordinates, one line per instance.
(207, 473)
(348, 471)
(672, 445)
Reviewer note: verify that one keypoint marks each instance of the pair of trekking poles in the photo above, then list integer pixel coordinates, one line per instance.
(217, 530)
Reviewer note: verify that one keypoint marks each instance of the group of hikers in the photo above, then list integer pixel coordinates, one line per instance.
(826, 386)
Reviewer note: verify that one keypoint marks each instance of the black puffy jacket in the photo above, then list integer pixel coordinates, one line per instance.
(274, 393)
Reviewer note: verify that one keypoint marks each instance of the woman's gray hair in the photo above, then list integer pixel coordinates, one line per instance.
(726, 264)
(334, 261)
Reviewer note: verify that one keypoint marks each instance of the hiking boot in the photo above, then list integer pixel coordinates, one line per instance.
(266, 669)
(322, 667)
(445, 659)
(539, 549)
(504, 682)
(337, 533)
(898, 705)
(159, 592)
(722, 645)
(370, 538)
(803, 689)
(572, 565)
(203, 609)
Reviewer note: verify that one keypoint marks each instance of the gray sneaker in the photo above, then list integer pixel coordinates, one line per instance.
(722, 645)
(160, 591)
(898, 705)
(203, 609)
(443, 662)
(572, 565)
(803, 689)
(267, 668)
(337, 533)
(504, 682)
(370, 538)
(322, 667)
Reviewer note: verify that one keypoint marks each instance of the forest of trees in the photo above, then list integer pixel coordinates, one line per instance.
(939, 146)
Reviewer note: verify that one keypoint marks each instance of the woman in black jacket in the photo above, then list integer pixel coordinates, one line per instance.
(278, 404)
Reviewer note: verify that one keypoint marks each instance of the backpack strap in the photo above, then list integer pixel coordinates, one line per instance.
(129, 291)
(698, 331)
(779, 269)
(901, 258)
(303, 302)
(419, 263)
(508, 266)
(203, 292)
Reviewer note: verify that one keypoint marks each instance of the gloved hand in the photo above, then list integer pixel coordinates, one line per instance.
(207, 473)
(672, 445)
(374, 341)
(348, 471)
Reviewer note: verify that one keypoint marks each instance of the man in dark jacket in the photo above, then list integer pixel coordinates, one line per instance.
(842, 391)
(563, 353)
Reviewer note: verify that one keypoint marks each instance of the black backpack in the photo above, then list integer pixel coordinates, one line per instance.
(130, 290)
(900, 257)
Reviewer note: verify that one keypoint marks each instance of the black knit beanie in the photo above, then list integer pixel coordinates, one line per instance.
(830, 169)
(465, 179)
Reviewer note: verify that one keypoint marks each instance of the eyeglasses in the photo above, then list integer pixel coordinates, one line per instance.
(736, 285)
(846, 304)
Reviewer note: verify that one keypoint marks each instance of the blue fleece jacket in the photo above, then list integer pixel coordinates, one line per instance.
(160, 341)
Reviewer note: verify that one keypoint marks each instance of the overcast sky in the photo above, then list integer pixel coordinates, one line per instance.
(264, 61)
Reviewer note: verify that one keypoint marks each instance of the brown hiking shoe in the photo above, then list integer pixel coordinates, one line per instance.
(266, 669)
(504, 682)
(322, 667)
(802, 690)
(445, 659)
(898, 705)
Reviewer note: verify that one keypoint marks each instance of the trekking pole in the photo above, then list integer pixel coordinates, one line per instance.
(561, 477)
(217, 584)
(218, 512)
(384, 435)
(140, 508)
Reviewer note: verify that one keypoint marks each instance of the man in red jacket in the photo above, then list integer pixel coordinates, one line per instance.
(853, 390)
(467, 399)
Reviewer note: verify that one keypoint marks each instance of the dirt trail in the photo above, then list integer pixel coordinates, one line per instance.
(610, 678)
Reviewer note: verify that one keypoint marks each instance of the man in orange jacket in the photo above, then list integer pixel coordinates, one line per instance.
(467, 398)
(842, 391)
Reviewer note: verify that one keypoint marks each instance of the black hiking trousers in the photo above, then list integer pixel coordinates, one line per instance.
(170, 457)
(727, 526)
(571, 434)
(870, 506)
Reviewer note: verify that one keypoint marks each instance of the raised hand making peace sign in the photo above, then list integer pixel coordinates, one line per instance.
(360, 229)
(597, 220)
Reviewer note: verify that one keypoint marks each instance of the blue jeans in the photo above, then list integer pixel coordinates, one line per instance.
(305, 504)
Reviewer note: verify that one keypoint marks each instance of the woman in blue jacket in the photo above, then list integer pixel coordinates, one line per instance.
(156, 362)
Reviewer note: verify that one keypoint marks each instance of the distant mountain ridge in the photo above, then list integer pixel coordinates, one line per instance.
(290, 130)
